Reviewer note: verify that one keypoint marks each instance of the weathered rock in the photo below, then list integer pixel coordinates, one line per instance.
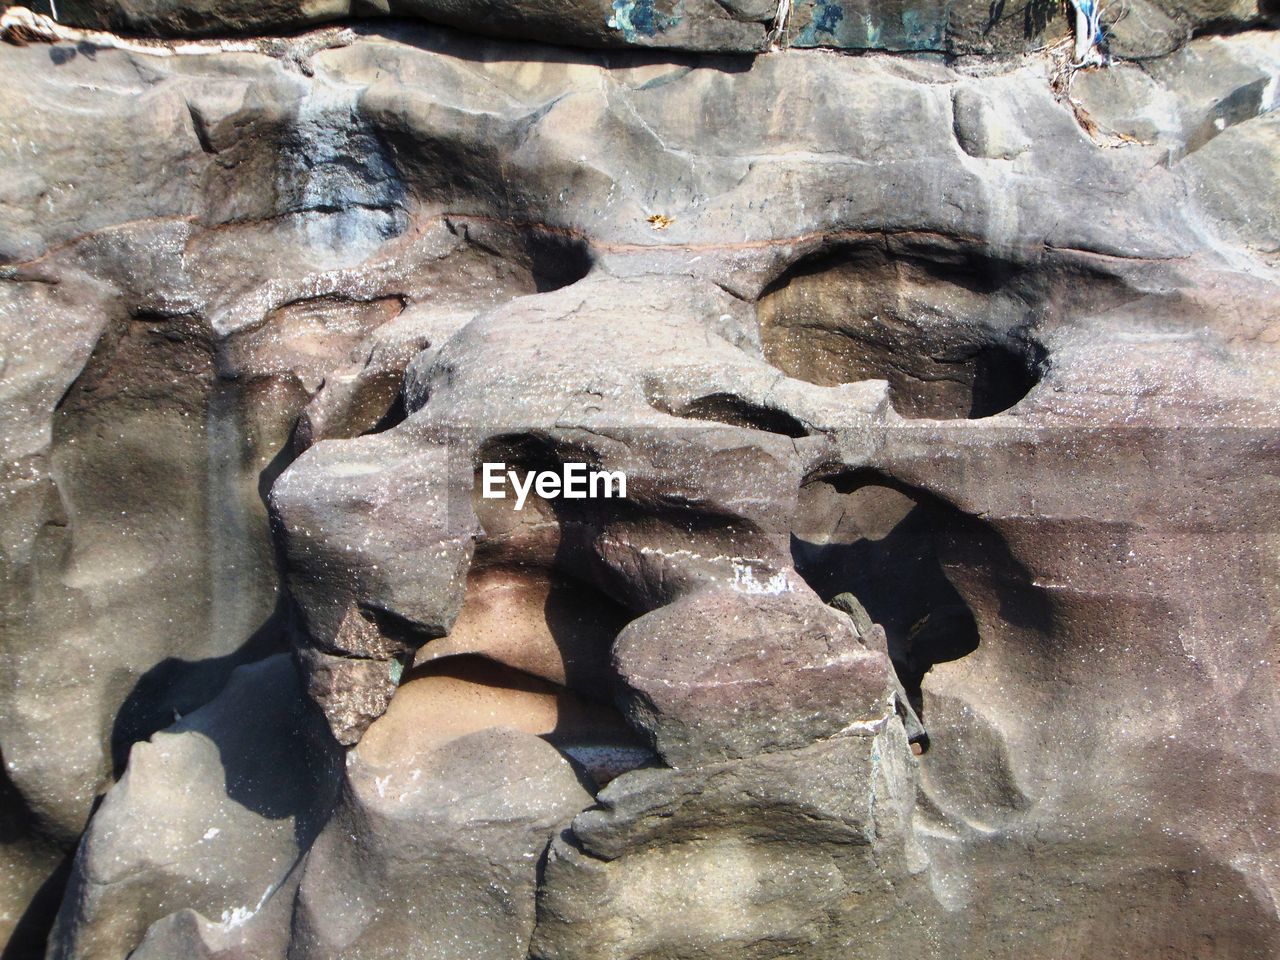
(804, 853)
(207, 824)
(34, 870)
(358, 524)
(1152, 28)
(540, 625)
(1232, 179)
(931, 335)
(740, 26)
(433, 851)
(131, 596)
(705, 677)
(1183, 101)
(1143, 28)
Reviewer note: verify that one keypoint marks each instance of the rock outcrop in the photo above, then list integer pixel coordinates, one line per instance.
(988, 345)
(1138, 28)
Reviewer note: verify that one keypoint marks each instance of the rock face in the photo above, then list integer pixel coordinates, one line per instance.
(1141, 28)
(208, 822)
(945, 390)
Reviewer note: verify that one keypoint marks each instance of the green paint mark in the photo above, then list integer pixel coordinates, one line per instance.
(865, 25)
(640, 18)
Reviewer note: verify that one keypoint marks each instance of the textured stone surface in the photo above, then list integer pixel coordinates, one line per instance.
(993, 354)
(1138, 29)
(207, 826)
(705, 678)
(712, 25)
(795, 853)
(434, 849)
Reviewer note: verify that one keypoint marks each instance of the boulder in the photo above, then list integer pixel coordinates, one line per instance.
(434, 849)
(201, 837)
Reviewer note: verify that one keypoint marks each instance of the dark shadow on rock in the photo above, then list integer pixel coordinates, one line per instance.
(277, 756)
(736, 411)
(552, 259)
(461, 42)
(890, 545)
(30, 933)
(582, 722)
(585, 607)
(584, 624)
(175, 687)
(19, 825)
(396, 414)
(16, 818)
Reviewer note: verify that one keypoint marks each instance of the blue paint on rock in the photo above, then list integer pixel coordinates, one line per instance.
(867, 25)
(640, 18)
(824, 20)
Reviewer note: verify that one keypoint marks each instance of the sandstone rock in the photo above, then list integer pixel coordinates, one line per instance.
(1181, 102)
(920, 332)
(1152, 28)
(251, 346)
(981, 129)
(207, 824)
(549, 628)
(704, 677)
(434, 848)
(356, 526)
(1145, 28)
(739, 26)
(34, 872)
(1230, 178)
(764, 857)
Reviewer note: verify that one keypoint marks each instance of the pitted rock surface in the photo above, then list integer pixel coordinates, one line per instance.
(995, 357)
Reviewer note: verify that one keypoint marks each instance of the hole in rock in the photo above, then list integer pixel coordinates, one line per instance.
(556, 262)
(738, 412)
(396, 414)
(532, 646)
(949, 331)
(550, 260)
(858, 533)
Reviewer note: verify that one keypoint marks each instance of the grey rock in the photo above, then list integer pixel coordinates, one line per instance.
(1234, 180)
(873, 636)
(803, 852)
(1153, 28)
(920, 332)
(1181, 102)
(207, 824)
(704, 677)
(688, 25)
(1141, 29)
(434, 849)
(982, 128)
(163, 621)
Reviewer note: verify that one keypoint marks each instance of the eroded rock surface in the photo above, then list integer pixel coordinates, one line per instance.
(1139, 29)
(997, 361)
